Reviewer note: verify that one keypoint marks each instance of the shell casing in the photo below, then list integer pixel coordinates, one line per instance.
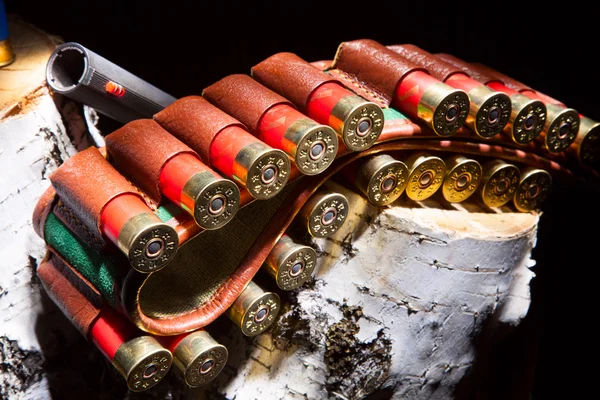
(143, 362)
(463, 176)
(381, 178)
(533, 189)
(561, 128)
(426, 175)
(499, 183)
(7, 55)
(208, 197)
(586, 147)
(528, 116)
(200, 358)
(324, 213)
(139, 358)
(312, 146)
(255, 310)
(358, 122)
(443, 108)
(290, 263)
(237, 154)
(149, 243)
(489, 110)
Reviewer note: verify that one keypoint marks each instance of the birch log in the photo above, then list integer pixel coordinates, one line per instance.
(399, 296)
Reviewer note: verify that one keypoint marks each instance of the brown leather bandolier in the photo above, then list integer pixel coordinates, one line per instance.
(230, 183)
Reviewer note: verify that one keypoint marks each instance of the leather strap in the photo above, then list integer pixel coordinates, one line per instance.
(436, 67)
(479, 76)
(86, 182)
(374, 63)
(195, 122)
(243, 98)
(290, 76)
(71, 292)
(140, 149)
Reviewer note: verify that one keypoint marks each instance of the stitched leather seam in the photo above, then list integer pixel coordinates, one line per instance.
(80, 225)
(360, 86)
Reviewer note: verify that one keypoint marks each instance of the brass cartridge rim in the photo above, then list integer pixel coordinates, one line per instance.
(198, 374)
(143, 362)
(529, 121)
(216, 200)
(382, 179)
(450, 108)
(533, 189)
(357, 113)
(260, 184)
(496, 105)
(588, 151)
(462, 179)
(425, 177)
(500, 183)
(319, 135)
(335, 203)
(284, 258)
(149, 244)
(260, 314)
(562, 128)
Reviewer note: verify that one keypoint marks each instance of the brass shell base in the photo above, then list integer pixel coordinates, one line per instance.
(316, 212)
(425, 177)
(528, 119)
(200, 358)
(533, 189)
(462, 179)
(488, 103)
(560, 119)
(138, 234)
(255, 310)
(143, 362)
(323, 134)
(438, 100)
(260, 160)
(353, 111)
(500, 182)
(382, 179)
(284, 258)
(205, 188)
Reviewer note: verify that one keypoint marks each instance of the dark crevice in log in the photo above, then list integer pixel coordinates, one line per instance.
(19, 368)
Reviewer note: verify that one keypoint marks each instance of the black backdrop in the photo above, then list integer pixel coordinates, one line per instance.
(184, 46)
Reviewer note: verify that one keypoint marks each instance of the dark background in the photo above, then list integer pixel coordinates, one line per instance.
(184, 46)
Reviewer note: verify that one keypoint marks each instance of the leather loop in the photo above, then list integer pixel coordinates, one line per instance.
(243, 98)
(195, 122)
(140, 149)
(290, 76)
(71, 292)
(372, 62)
(42, 209)
(436, 67)
(474, 73)
(86, 182)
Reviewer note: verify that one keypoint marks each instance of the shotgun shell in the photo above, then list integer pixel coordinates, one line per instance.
(139, 358)
(561, 128)
(312, 146)
(528, 116)
(255, 310)
(290, 263)
(463, 176)
(324, 213)
(426, 175)
(358, 121)
(586, 146)
(381, 178)
(532, 190)
(499, 183)
(211, 199)
(198, 356)
(489, 110)
(442, 107)
(7, 55)
(263, 170)
(149, 243)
